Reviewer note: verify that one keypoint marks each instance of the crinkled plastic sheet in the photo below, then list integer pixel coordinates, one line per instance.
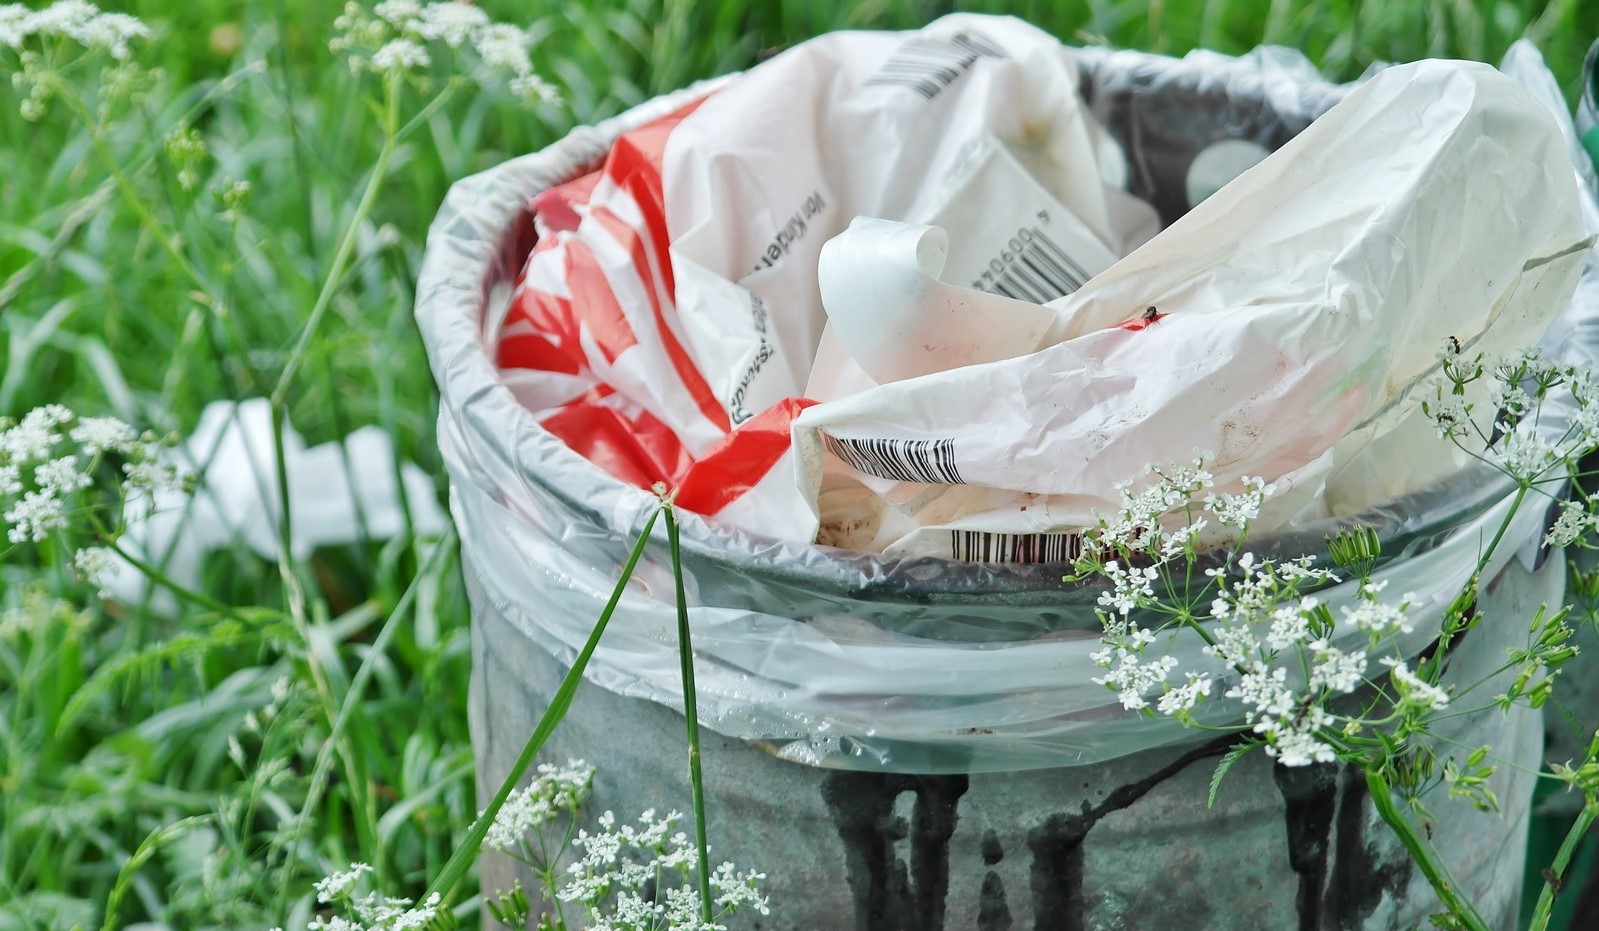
(837, 658)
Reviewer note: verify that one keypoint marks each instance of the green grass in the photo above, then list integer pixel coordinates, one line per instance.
(115, 720)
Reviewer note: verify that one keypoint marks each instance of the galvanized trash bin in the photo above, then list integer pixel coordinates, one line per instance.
(877, 796)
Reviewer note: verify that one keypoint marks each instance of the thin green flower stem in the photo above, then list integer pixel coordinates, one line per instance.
(352, 696)
(466, 852)
(294, 590)
(162, 580)
(685, 650)
(1469, 593)
(1555, 876)
(341, 255)
(431, 107)
(1437, 874)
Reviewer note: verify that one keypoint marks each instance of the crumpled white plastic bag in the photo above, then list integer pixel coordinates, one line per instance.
(335, 490)
(1281, 327)
(1300, 305)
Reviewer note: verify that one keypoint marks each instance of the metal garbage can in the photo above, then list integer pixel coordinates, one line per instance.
(873, 799)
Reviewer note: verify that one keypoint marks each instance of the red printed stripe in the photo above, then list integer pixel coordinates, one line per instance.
(634, 166)
(549, 316)
(743, 457)
(557, 207)
(595, 302)
(534, 351)
(640, 451)
(696, 385)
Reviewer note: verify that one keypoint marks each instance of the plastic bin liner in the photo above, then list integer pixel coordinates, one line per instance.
(840, 658)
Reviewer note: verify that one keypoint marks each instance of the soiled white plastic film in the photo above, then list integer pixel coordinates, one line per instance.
(1303, 303)
(837, 658)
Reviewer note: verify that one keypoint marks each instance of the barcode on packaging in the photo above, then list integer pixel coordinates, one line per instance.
(928, 65)
(1031, 267)
(978, 546)
(930, 462)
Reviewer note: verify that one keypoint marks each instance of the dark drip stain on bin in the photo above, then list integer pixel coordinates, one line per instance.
(888, 895)
(1059, 903)
(893, 896)
(1358, 880)
(1310, 794)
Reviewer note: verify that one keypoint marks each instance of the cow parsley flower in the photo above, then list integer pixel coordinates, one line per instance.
(1334, 669)
(96, 565)
(1237, 510)
(14, 24)
(638, 878)
(397, 56)
(1132, 679)
(454, 24)
(35, 436)
(338, 884)
(95, 435)
(75, 20)
(1299, 747)
(556, 790)
(1525, 455)
(1130, 588)
(61, 477)
(1290, 624)
(400, 13)
(393, 39)
(1378, 618)
(369, 912)
(1184, 698)
(152, 475)
(1573, 523)
(34, 517)
(1414, 691)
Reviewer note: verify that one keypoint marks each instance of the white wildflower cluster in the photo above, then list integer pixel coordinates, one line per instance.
(42, 41)
(1575, 523)
(96, 565)
(1278, 641)
(1237, 510)
(1516, 437)
(49, 462)
(1264, 626)
(639, 878)
(394, 39)
(1534, 446)
(75, 21)
(1165, 520)
(369, 912)
(557, 790)
(339, 884)
(1154, 528)
(1414, 691)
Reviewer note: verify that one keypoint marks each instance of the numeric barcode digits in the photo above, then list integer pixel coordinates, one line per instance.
(1032, 267)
